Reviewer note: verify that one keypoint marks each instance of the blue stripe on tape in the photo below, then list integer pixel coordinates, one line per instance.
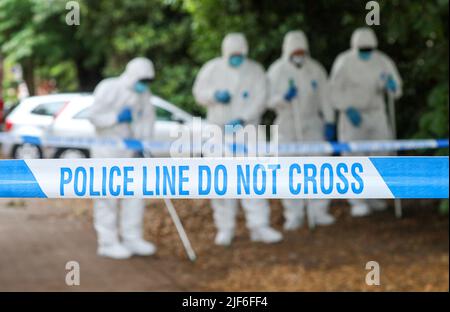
(237, 148)
(134, 145)
(341, 147)
(31, 139)
(414, 177)
(17, 180)
(442, 143)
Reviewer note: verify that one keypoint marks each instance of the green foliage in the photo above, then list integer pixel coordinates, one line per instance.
(179, 36)
(434, 122)
(64, 73)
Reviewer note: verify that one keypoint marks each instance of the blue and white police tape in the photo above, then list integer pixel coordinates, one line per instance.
(283, 149)
(301, 148)
(269, 177)
(87, 142)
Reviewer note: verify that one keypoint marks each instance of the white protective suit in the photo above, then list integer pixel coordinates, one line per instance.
(358, 83)
(247, 85)
(111, 96)
(301, 119)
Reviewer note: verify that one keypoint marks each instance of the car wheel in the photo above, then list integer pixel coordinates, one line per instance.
(67, 153)
(26, 151)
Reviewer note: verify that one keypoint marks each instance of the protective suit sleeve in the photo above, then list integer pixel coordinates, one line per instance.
(256, 103)
(337, 66)
(143, 127)
(278, 85)
(203, 90)
(326, 107)
(392, 70)
(336, 83)
(100, 113)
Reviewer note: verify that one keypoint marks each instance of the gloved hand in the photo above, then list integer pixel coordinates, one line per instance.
(354, 116)
(389, 83)
(330, 132)
(125, 115)
(291, 92)
(222, 96)
(230, 126)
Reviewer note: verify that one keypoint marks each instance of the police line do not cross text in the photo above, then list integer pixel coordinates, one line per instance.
(214, 178)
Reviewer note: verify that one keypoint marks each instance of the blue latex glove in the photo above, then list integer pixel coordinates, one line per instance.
(223, 97)
(354, 116)
(330, 132)
(230, 126)
(291, 92)
(391, 85)
(125, 115)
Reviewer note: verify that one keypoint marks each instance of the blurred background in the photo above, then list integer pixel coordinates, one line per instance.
(40, 54)
(180, 36)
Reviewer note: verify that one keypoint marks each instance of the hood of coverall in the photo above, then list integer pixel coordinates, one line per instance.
(234, 43)
(363, 38)
(294, 40)
(137, 69)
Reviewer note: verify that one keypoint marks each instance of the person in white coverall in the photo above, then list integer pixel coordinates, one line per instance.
(360, 80)
(122, 109)
(233, 88)
(298, 93)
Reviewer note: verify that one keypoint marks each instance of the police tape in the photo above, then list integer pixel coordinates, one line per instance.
(87, 142)
(283, 149)
(268, 177)
(360, 146)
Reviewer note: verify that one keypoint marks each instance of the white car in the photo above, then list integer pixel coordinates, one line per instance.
(32, 117)
(70, 121)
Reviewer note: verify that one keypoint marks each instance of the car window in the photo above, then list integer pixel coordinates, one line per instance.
(82, 114)
(48, 109)
(162, 114)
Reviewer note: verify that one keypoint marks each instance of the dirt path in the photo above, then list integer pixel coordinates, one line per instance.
(38, 237)
(37, 242)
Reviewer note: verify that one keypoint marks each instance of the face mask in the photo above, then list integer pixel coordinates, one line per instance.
(236, 60)
(298, 60)
(365, 54)
(140, 87)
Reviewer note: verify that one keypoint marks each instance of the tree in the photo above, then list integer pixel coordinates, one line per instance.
(179, 36)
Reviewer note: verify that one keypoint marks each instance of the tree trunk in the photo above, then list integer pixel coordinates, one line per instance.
(28, 75)
(1, 77)
(2, 101)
